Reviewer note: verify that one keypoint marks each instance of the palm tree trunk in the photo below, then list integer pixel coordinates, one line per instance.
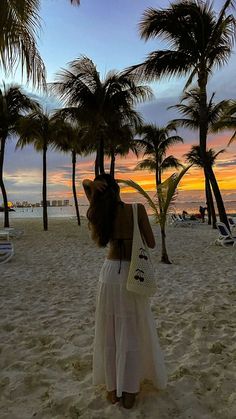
(164, 255)
(96, 165)
(203, 129)
(2, 186)
(45, 214)
(101, 156)
(218, 197)
(74, 187)
(207, 201)
(210, 204)
(112, 166)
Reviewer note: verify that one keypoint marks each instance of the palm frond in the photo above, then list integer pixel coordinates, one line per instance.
(169, 162)
(19, 25)
(232, 139)
(167, 189)
(146, 164)
(139, 189)
(162, 63)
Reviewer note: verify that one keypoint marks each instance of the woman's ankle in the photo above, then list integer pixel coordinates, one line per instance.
(128, 399)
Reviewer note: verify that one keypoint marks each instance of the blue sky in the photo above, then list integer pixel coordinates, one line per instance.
(107, 32)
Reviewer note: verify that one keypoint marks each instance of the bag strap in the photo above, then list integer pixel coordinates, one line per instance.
(136, 230)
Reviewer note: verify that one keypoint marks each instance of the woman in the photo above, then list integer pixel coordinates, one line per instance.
(126, 348)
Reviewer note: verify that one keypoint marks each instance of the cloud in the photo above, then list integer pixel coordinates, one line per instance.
(228, 163)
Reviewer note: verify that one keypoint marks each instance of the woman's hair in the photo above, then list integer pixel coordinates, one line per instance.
(102, 210)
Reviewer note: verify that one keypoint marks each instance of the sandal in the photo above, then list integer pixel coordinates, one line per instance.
(128, 400)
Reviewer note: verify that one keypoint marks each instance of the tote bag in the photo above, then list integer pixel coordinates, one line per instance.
(141, 278)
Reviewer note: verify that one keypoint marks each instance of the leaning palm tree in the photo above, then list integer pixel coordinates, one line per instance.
(166, 192)
(155, 142)
(194, 157)
(199, 39)
(99, 102)
(13, 104)
(190, 107)
(38, 129)
(69, 138)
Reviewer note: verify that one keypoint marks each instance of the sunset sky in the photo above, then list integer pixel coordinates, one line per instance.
(107, 32)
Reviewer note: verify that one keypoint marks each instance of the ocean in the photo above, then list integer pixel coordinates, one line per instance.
(69, 211)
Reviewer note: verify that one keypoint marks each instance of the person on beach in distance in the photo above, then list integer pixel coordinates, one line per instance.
(202, 211)
(126, 346)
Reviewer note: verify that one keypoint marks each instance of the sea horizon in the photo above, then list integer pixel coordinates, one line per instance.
(191, 207)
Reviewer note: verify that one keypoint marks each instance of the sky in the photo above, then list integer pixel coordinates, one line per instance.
(107, 32)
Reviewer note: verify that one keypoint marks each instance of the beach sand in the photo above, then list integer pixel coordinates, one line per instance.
(47, 303)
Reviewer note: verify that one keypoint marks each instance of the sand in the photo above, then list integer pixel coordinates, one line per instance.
(47, 303)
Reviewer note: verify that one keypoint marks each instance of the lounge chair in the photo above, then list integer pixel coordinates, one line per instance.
(6, 251)
(178, 220)
(225, 237)
(12, 232)
(4, 235)
(232, 223)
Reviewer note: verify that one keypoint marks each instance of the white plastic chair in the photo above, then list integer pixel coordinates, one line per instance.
(225, 237)
(6, 251)
(14, 233)
(232, 223)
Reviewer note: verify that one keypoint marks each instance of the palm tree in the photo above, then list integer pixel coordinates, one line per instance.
(166, 192)
(199, 39)
(120, 136)
(194, 157)
(99, 102)
(69, 138)
(38, 129)
(155, 142)
(19, 25)
(13, 104)
(191, 112)
(121, 149)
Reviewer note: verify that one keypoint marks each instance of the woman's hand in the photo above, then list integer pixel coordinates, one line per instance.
(91, 186)
(88, 188)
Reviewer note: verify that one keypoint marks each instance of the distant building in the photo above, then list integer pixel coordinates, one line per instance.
(25, 204)
(54, 203)
(66, 202)
(48, 203)
(59, 203)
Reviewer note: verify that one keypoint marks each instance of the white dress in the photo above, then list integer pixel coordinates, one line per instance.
(126, 346)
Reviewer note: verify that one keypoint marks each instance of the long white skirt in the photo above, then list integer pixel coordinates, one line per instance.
(126, 346)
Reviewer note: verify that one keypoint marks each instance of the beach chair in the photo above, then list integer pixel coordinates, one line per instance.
(178, 221)
(4, 235)
(225, 237)
(6, 251)
(232, 223)
(12, 232)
